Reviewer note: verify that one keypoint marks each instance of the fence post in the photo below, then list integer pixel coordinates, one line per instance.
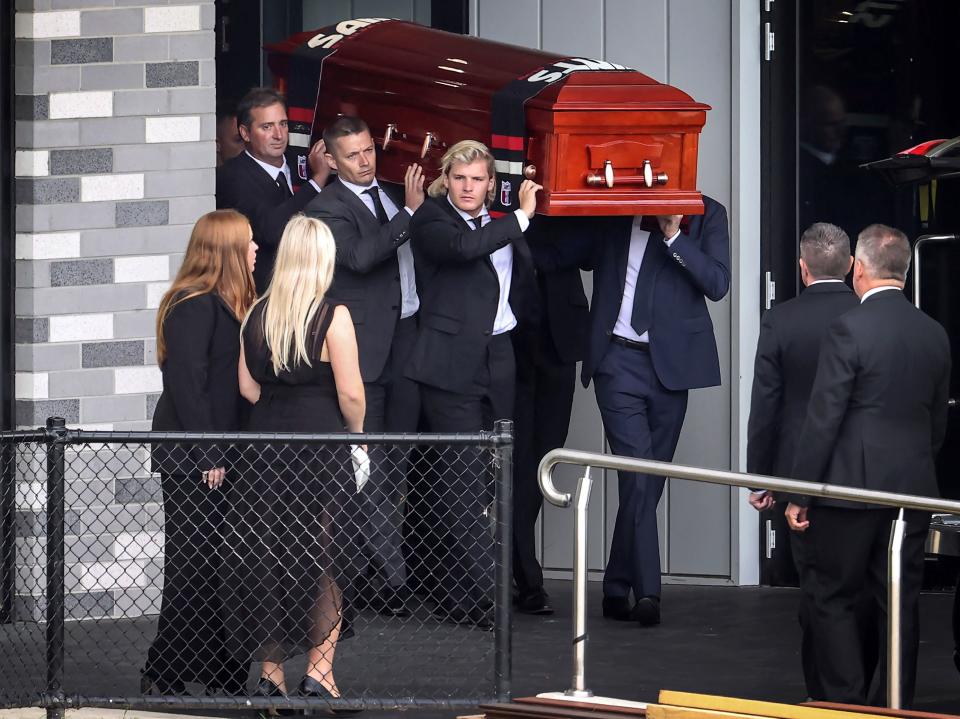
(894, 605)
(503, 466)
(56, 443)
(8, 529)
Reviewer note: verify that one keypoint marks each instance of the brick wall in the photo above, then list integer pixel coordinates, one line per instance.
(115, 160)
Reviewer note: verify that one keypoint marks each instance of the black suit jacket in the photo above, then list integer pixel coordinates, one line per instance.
(696, 266)
(562, 318)
(786, 363)
(367, 276)
(459, 291)
(244, 186)
(201, 392)
(878, 409)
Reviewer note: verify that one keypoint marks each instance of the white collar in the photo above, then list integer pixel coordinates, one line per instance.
(823, 282)
(876, 290)
(357, 189)
(273, 170)
(466, 215)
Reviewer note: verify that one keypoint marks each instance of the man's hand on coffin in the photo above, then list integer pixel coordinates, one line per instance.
(413, 186)
(528, 197)
(669, 224)
(319, 169)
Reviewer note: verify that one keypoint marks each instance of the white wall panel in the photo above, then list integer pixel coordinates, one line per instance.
(573, 27)
(636, 35)
(513, 21)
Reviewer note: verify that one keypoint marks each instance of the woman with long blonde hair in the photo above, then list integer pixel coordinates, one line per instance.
(198, 346)
(298, 551)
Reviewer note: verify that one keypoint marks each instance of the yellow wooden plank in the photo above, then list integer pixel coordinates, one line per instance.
(752, 707)
(665, 711)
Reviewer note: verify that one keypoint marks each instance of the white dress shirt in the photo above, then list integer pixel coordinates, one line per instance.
(502, 260)
(877, 290)
(275, 171)
(409, 300)
(638, 245)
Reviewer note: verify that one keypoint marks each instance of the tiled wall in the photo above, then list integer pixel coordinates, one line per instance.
(115, 160)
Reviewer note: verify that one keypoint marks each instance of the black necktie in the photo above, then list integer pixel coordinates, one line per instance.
(643, 290)
(377, 205)
(477, 222)
(283, 186)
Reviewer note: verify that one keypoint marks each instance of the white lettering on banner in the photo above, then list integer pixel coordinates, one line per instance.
(557, 70)
(343, 28)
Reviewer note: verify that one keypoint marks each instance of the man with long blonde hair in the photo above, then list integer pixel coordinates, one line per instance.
(476, 277)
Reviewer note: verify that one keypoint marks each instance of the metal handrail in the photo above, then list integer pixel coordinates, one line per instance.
(590, 460)
(921, 241)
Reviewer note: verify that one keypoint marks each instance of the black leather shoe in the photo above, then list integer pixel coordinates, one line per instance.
(158, 686)
(536, 602)
(647, 611)
(266, 688)
(394, 603)
(617, 608)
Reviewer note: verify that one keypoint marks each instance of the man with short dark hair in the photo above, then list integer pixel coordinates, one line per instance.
(375, 279)
(876, 419)
(786, 362)
(258, 182)
(229, 142)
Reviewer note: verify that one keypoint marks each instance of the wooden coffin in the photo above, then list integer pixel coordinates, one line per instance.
(601, 139)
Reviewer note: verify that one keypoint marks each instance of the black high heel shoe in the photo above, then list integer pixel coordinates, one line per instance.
(158, 686)
(313, 689)
(267, 688)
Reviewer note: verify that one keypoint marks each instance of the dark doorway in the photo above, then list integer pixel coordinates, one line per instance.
(846, 83)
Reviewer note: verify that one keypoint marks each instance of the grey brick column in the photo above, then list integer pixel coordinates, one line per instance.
(115, 158)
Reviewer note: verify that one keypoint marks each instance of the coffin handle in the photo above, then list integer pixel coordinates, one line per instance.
(650, 178)
(427, 144)
(595, 180)
(388, 135)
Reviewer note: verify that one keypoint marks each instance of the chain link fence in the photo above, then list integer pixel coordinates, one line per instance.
(185, 570)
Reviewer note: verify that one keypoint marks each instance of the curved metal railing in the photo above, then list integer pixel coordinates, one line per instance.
(581, 499)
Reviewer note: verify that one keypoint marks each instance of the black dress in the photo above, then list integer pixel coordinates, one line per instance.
(200, 393)
(294, 530)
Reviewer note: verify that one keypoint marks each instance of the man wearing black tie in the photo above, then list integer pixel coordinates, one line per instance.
(258, 181)
(476, 284)
(375, 279)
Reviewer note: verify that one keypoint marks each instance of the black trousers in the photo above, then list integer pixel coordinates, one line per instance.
(393, 405)
(464, 487)
(848, 565)
(190, 642)
(544, 401)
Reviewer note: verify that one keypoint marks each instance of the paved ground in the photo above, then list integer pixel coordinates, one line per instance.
(719, 640)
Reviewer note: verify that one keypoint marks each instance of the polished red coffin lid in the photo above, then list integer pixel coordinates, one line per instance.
(601, 138)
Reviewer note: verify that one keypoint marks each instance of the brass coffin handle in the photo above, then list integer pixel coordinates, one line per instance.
(595, 180)
(388, 135)
(530, 171)
(427, 144)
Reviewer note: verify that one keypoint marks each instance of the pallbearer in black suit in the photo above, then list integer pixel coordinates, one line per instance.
(547, 350)
(876, 419)
(259, 183)
(786, 362)
(198, 347)
(375, 279)
(474, 273)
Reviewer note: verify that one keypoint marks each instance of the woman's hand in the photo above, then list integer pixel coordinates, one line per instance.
(214, 477)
